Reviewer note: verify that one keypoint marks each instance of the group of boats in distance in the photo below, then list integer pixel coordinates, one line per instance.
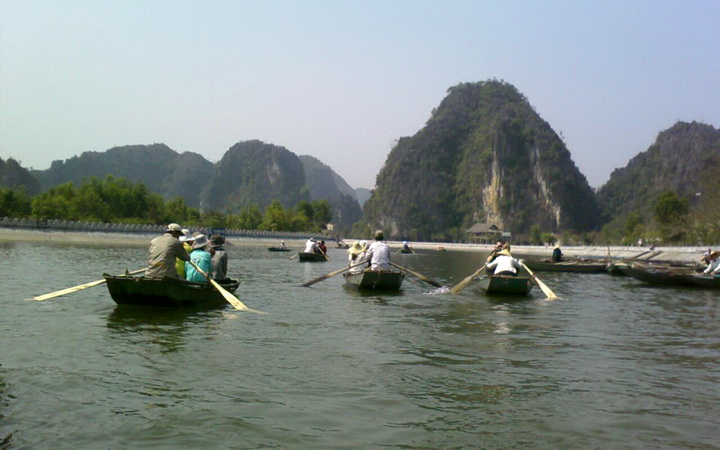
(132, 288)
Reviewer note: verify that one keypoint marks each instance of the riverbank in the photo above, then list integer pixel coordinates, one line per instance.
(659, 254)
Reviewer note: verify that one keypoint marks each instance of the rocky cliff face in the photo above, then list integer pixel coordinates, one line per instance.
(677, 161)
(484, 156)
(325, 184)
(256, 172)
(14, 176)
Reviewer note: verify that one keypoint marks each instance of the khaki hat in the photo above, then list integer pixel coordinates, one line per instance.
(201, 241)
(379, 235)
(174, 227)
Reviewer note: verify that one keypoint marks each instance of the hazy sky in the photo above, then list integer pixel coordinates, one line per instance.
(342, 80)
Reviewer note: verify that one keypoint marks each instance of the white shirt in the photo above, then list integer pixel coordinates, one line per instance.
(713, 267)
(310, 247)
(503, 263)
(379, 256)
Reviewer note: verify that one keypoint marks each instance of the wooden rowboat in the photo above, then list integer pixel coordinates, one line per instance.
(319, 257)
(278, 249)
(706, 281)
(661, 275)
(166, 292)
(506, 284)
(579, 266)
(375, 280)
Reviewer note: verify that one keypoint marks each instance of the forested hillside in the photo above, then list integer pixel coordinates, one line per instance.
(677, 161)
(325, 184)
(679, 173)
(157, 166)
(14, 176)
(253, 172)
(484, 155)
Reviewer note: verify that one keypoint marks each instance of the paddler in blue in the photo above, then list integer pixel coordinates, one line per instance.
(201, 258)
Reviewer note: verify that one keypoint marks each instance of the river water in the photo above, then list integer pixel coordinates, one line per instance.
(612, 364)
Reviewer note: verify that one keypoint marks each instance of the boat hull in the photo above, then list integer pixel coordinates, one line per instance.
(706, 281)
(375, 280)
(661, 275)
(538, 265)
(312, 257)
(166, 292)
(505, 284)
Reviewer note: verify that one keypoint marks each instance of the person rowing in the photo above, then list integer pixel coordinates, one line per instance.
(504, 263)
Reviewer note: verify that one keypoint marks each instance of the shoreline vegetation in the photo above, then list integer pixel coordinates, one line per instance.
(267, 239)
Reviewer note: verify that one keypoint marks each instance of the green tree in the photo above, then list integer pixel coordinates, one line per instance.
(671, 214)
(14, 203)
(249, 218)
(535, 236)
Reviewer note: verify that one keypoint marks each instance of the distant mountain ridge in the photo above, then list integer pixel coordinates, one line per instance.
(250, 172)
(484, 155)
(676, 161)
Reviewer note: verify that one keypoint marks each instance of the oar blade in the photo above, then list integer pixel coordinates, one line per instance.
(417, 275)
(466, 282)
(70, 290)
(549, 294)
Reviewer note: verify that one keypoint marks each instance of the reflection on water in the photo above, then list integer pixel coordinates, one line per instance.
(609, 365)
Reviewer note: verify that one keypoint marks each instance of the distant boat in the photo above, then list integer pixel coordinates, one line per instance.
(166, 292)
(279, 249)
(378, 280)
(309, 256)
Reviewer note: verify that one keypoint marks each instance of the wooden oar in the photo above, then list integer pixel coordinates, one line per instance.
(548, 292)
(464, 283)
(417, 275)
(324, 254)
(78, 288)
(331, 274)
(237, 304)
(294, 256)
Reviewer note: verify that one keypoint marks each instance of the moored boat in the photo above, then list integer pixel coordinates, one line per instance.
(706, 281)
(308, 256)
(661, 275)
(375, 280)
(506, 284)
(166, 292)
(579, 266)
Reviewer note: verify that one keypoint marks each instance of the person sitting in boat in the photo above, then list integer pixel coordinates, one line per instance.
(201, 258)
(311, 246)
(406, 247)
(706, 256)
(378, 254)
(557, 254)
(187, 240)
(504, 263)
(356, 256)
(163, 251)
(498, 248)
(322, 247)
(219, 257)
(713, 267)
(282, 245)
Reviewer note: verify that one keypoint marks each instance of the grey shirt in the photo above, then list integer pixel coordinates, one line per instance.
(163, 251)
(219, 262)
